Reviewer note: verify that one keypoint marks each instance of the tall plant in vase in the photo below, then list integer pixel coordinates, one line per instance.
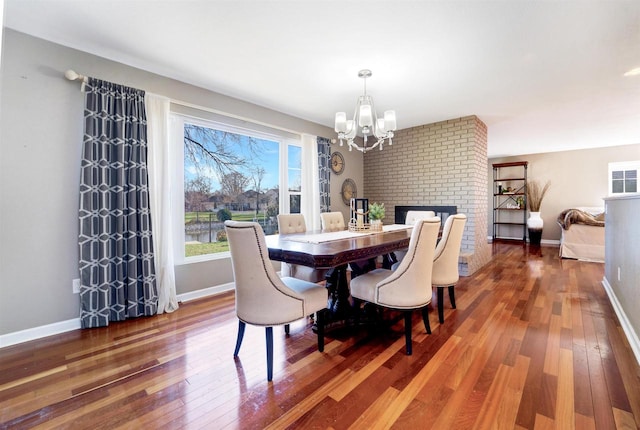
(535, 195)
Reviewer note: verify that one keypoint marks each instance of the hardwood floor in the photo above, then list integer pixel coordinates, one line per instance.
(534, 343)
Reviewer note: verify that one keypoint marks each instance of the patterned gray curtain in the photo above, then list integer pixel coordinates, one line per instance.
(116, 248)
(324, 159)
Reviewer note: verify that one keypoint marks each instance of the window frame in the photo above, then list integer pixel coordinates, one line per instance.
(177, 121)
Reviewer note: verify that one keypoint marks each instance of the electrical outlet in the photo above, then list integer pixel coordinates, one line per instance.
(75, 286)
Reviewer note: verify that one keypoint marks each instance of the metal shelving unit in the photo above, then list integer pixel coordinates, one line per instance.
(510, 200)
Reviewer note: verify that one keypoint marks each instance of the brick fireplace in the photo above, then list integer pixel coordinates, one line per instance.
(440, 164)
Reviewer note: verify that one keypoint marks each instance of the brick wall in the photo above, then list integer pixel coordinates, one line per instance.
(444, 163)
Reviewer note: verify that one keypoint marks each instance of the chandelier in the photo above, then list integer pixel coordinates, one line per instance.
(366, 120)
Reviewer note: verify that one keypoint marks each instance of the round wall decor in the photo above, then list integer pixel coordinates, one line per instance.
(348, 191)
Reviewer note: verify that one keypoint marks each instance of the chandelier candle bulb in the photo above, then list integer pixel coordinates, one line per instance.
(351, 129)
(366, 120)
(389, 120)
(341, 122)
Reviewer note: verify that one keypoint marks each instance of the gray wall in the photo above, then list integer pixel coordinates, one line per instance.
(40, 148)
(353, 169)
(622, 255)
(578, 178)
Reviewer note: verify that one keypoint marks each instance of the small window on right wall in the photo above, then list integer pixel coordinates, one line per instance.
(623, 177)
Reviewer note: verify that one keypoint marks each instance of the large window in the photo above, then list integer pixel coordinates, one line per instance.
(229, 172)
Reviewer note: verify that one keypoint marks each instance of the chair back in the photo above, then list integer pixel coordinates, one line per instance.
(445, 262)
(332, 221)
(291, 223)
(261, 296)
(412, 216)
(408, 287)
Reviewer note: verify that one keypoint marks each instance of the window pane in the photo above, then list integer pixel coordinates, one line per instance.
(617, 187)
(226, 176)
(295, 180)
(294, 168)
(294, 203)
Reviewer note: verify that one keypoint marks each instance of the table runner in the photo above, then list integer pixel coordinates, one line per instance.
(339, 235)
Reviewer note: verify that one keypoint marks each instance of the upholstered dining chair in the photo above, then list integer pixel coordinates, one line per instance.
(445, 260)
(263, 298)
(332, 221)
(407, 288)
(410, 219)
(412, 216)
(291, 224)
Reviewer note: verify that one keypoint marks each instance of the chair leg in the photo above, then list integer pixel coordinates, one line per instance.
(241, 326)
(320, 317)
(407, 331)
(269, 335)
(440, 304)
(287, 329)
(452, 296)
(425, 318)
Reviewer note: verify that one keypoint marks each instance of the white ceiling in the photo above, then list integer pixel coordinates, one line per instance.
(543, 75)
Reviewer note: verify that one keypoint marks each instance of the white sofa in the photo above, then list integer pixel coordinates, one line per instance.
(580, 240)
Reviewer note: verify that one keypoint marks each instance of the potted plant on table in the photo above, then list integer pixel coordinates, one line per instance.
(535, 195)
(376, 214)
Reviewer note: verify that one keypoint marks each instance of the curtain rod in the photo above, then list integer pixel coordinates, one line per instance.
(72, 75)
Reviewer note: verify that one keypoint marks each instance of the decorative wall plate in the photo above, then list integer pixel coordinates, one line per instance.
(348, 191)
(337, 163)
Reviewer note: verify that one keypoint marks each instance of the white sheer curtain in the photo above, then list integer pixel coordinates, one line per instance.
(160, 190)
(310, 204)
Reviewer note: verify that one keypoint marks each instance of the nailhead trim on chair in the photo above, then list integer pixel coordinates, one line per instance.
(413, 256)
(275, 285)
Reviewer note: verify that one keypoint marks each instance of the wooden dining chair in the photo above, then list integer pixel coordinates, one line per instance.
(408, 287)
(445, 260)
(291, 224)
(262, 297)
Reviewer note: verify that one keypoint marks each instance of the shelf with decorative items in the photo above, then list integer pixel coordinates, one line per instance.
(510, 200)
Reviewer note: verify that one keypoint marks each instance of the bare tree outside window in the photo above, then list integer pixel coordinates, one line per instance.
(230, 172)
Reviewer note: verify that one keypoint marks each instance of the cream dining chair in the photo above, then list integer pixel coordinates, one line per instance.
(291, 224)
(445, 260)
(410, 219)
(407, 288)
(413, 216)
(263, 298)
(332, 221)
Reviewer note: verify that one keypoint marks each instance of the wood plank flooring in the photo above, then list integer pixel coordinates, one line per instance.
(533, 344)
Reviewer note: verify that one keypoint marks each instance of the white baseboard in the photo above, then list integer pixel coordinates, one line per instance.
(205, 292)
(632, 336)
(39, 332)
(74, 324)
(542, 242)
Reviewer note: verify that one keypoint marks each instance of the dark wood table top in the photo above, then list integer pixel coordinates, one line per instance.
(335, 253)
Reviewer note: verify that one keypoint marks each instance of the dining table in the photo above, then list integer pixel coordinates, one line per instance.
(337, 250)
